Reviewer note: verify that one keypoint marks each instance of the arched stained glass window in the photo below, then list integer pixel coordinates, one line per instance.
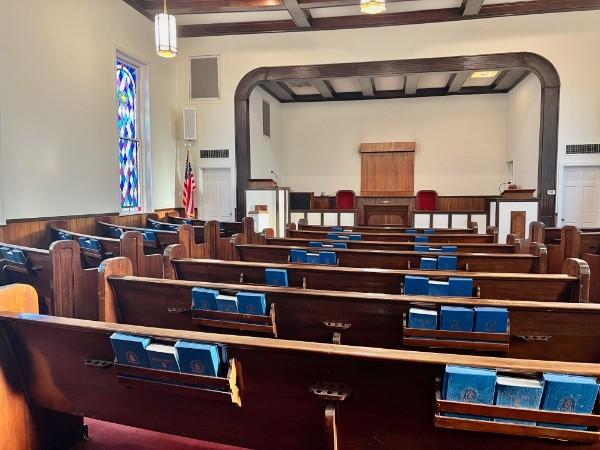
(129, 144)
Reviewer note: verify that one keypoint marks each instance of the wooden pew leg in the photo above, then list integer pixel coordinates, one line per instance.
(331, 426)
(333, 394)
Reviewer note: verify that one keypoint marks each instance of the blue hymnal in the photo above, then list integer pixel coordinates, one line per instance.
(438, 288)
(5, 252)
(428, 264)
(415, 285)
(298, 256)
(518, 393)
(84, 243)
(340, 245)
(355, 237)
(62, 236)
(276, 277)
(491, 320)
(17, 255)
(116, 232)
(312, 258)
(204, 298)
(410, 231)
(327, 258)
(198, 359)
(332, 236)
(429, 231)
(470, 385)
(337, 229)
(422, 318)
(449, 248)
(162, 357)
(252, 303)
(421, 238)
(315, 244)
(447, 262)
(343, 237)
(149, 236)
(569, 393)
(422, 248)
(456, 318)
(130, 350)
(460, 287)
(227, 303)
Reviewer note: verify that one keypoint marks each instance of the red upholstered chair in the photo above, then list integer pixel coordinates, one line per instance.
(426, 200)
(345, 200)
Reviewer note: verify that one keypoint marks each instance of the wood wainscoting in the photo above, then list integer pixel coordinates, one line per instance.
(387, 168)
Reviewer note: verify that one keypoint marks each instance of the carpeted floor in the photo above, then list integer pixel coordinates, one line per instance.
(110, 436)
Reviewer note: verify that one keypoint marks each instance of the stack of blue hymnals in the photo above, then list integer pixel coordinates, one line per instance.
(187, 357)
(554, 392)
(244, 302)
(458, 318)
(454, 287)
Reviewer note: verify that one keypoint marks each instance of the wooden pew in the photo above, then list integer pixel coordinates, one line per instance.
(401, 237)
(535, 262)
(386, 229)
(227, 228)
(154, 224)
(572, 286)
(551, 330)
(65, 288)
(276, 395)
(513, 247)
(130, 245)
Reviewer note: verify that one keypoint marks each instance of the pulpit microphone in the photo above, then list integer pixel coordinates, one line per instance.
(275, 175)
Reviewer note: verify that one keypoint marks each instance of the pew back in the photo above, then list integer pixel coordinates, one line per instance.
(402, 237)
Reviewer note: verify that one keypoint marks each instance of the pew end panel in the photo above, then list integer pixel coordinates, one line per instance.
(580, 269)
(132, 247)
(108, 306)
(493, 231)
(19, 298)
(593, 261)
(172, 252)
(474, 227)
(537, 232)
(539, 250)
(515, 241)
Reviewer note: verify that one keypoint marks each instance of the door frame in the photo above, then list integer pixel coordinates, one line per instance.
(200, 188)
(561, 177)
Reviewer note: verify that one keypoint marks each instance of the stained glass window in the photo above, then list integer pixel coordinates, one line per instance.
(129, 144)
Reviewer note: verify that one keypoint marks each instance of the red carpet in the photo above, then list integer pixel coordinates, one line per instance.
(110, 436)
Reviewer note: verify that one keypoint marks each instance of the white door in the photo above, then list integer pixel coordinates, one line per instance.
(215, 198)
(581, 196)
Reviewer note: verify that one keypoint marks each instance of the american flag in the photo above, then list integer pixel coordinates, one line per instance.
(189, 186)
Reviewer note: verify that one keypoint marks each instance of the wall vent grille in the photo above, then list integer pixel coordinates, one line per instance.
(214, 153)
(583, 149)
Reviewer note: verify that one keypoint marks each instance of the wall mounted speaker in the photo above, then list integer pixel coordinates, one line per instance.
(190, 132)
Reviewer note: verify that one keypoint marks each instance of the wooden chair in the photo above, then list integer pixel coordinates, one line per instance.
(345, 200)
(426, 200)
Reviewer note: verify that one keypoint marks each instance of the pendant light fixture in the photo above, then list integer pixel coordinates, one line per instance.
(165, 30)
(372, 6)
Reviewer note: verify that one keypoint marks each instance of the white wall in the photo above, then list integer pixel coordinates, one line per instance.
(568, 40)
(523, 131)
(455, 135)
(267, 153)
(58, 137)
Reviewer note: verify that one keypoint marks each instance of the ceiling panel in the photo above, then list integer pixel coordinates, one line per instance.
(389, 83)
(482, 81)
(433, 80)
(302, 87)
(345, 84)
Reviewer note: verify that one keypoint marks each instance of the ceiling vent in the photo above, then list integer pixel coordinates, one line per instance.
(211, 154)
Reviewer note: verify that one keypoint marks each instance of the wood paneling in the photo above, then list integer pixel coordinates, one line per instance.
(387, 168)
(517, 223)
(467, 203)
(384, 147)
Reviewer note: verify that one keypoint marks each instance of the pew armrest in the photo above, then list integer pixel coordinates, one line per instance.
(19, 298)
(581, 270)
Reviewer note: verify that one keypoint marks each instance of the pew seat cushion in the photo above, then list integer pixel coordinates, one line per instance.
(414, 285)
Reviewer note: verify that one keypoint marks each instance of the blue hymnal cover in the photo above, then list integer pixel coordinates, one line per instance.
(438, 288)
(5, 252)
(204, 298)
(227, 303)
(198, 359)
(84, 243)
(469, 384)
(491, 320)
(428, 264)
(456, 318)
(518, 393)
(276, 277)
(343, 237)
(422, 318)
(460, 287)
(315, 244)
(421, 238)
(298, 256)
(327, 258)
(340, 245)
(569, 393)
(410, 231)
(447, 262)
(415, 285)
(332, 236)
(355, 237)
(252, 303)
(312, 258)
(149, 236)
(337, 229)
(449, 248)
(62, 236)
(422, 248)
(429, 231)
(16, 255)
(130, 350)
(162, 357)
(116, 232)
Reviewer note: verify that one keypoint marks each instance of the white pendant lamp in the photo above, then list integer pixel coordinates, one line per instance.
(165, 30)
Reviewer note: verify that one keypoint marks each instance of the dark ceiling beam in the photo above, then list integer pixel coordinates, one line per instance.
(391, 19)
(300, 17)
(279, 91)
(457, 80)
(324, 88)
(210, 6)
(508, 79)
(366, 86)
(140, 7)
(471, 7)
(411, 83)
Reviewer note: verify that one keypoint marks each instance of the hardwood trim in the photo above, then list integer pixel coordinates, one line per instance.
(324, 88)
(540, 66)
(301, 18)
(457, 80)
(471, 7)
(387, 147)
(366, 86)
(411, 83)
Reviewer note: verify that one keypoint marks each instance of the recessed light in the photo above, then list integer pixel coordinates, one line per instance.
(372, 6)
(485, 74)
